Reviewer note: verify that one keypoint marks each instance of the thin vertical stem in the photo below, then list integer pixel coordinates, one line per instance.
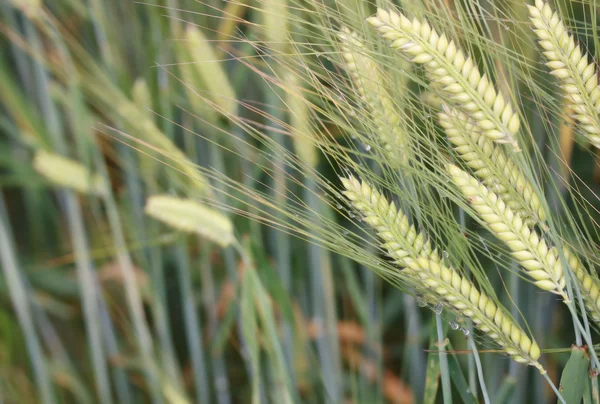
(217, 160)
(373, 343)
(324, 312)
(89, 294)
(558, 395)
(219, 369)
(19, 297)
(595, 394)
(475, 356)
(134, 299)
(192, 324)
(413, 348)
(515, 370)
(112, 347)
(280, 241)
(471, 360)
(444, 369)
(60, 357)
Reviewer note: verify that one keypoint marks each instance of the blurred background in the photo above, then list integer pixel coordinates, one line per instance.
(99, 302)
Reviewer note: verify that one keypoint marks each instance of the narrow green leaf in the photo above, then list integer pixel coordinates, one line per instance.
(458, 378)
(432, 376)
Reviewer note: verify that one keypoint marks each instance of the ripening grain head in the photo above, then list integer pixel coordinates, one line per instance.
(530, 249)
(190, 216)
(411, 249)
(453, 73)
(570, 64)
(68, 173)
(491, 165)
(371, 84)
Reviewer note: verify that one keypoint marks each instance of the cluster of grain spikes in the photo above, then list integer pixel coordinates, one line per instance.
(411, 250)
(479, 154)
(570, 64)
(453, 73)
(368, 79)
(540, 262)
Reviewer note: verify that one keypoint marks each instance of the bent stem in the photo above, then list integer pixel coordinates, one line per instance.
(475, 356)
(558, 395)
(444, 370)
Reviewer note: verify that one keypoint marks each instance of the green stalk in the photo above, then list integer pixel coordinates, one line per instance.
(72, 210)
(413, 317)
(78, 125)
(444, 370)
(99, 24)
(89, 294)
(152, 257)
(134, 299)
(471, 360)
(373, 342)
(538, 128)
(53, 343)
(231, 269)
(120, 380)
(413, 347)
(553, 386)
(282, 384)
(192, 324)
(219, 367)
(216, 158)
(515, 371)
(20, 57)
(19, 298)
(475, 356)
(280, 241)
(324, 311)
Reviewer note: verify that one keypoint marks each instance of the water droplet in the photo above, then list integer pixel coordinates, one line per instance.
(421, 301)
(465, 331)
(352, 215)
(367, 147)
(339, 206)
(453, 325)
(438, 308)
(445, 254)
